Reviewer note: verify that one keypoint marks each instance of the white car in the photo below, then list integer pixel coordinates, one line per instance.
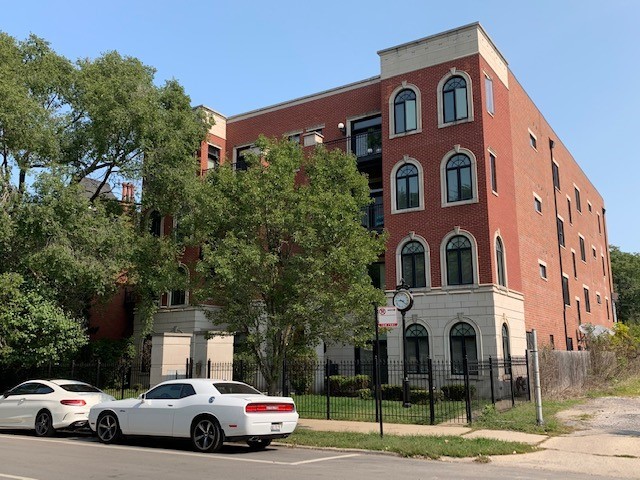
(209, 412)
(48, 405)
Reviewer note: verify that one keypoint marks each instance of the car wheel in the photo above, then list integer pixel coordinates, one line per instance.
(261, 444)
(107, 428)
(44, 424)
(206, 435)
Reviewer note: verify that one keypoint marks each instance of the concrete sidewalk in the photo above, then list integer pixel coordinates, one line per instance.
(405, 429)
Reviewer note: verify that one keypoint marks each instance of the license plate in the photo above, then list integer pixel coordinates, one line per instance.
(275, 427)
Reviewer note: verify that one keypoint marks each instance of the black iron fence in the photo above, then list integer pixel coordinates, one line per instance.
(440, 391)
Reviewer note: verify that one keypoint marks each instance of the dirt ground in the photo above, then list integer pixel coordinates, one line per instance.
(614, 415)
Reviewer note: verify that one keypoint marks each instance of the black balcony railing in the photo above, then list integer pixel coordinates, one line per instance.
(373, 217)
(364, 145)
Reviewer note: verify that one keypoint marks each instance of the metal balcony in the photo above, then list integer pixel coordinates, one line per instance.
(373, 217)
(366, 146)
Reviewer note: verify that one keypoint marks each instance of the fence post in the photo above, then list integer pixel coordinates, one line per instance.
(493, 395)
(98, 374)
(327, 372)
(513, 393)
(467, 386)
(209, 369)
(526, 358)
(123, 380)
(73, 368)
(285, 389)
(432, 401)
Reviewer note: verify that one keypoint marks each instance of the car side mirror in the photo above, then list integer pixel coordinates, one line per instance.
(6, 394)
(142, 397)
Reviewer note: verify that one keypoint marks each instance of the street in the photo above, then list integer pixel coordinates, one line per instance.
(25, 457)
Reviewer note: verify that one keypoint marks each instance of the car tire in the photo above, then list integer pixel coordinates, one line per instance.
(44, 424)
(108, 428)
(206, 434)
(261, 444)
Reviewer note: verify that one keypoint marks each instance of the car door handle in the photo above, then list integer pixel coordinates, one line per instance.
(170, 405)
(22, 400)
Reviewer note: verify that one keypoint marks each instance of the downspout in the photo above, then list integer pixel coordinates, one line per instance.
(555, 205)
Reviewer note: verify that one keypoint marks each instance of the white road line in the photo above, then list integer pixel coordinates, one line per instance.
(314, 460)
(170, 452)
(14, 477)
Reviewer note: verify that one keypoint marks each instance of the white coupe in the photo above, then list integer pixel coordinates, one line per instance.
(209, 412)
(48, 405)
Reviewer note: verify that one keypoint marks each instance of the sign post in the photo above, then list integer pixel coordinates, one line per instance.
(376, 359)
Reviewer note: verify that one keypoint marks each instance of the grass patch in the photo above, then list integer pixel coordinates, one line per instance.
(410, 445)
(522, 418)
(629, 387)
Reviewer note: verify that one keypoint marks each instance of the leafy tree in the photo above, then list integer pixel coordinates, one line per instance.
(285, 253)
(626, 281)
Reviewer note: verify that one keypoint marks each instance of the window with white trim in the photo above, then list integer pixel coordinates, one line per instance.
(412, 259)
(407, 187)
(455, 99)
(542, 267)
(459, 257)
(500, 265)
(488, 87)
(405, 111)
(462, 343)
(492, 172)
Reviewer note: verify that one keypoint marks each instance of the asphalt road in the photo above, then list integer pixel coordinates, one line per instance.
(24, 457)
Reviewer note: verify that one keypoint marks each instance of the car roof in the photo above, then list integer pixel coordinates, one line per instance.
(59, 381)
(200, 381)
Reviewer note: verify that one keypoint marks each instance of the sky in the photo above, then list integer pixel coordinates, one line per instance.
(578, 60)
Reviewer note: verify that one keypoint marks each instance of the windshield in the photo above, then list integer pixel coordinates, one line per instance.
(227, 388)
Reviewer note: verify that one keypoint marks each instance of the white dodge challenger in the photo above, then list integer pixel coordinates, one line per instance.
(209, 412)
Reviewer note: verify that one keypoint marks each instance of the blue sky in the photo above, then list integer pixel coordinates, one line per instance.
(578, 60)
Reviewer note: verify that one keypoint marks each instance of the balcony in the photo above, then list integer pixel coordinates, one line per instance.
(366, 146)
(373, 217)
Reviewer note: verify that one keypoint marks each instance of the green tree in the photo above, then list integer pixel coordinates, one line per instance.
(625, 269)
(285, 253)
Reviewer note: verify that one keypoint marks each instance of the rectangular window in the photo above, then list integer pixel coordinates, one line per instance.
(213, 157)
(376, 272)
(569, 343)
(604, 272)
(411, 117)
(537, 204)
(492, 166)
(556, 175)
(294, 138)
(583, 252)
(560, 224)
(565, 290)
(488, 85)
(578, 204)
(543, 270)
(598, 298)
(579, 312)
(599, 226)
(241, 161)
(569, 209)
(552, 342)
(593, 251)
(587, 303)
(589, 206)
(573, 261)
(606, 302)
(533, 141)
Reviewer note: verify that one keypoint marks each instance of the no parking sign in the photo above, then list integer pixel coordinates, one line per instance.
(387, 317)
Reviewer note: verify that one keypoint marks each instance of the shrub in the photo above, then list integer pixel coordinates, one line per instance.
(365, 394)
(391, 392)
(343, 386)
(301, 371)
(456, 392)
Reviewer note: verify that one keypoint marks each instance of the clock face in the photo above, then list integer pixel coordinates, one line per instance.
(402, 300)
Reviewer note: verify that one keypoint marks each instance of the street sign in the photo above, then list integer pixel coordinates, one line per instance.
(387, 317)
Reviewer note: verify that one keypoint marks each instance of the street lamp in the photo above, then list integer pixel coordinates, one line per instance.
(403, 301)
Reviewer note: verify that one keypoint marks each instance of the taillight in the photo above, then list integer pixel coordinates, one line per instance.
(269, 407)
(73, 403)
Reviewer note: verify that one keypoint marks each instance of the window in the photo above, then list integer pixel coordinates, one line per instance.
(171, 391)
(459, 261)
(459, 181)
(366, 136)
(569, 343)
(606, 300)
(405, 111)
(573, 262)
(599, 226)
(294, 138)
(587, 303)
(579, 312)
(179, 296)
(543, 270)
(376, 272)
(407, 187)
(569, 210)
(488, 86)
(417, 348)
(155, 223)
(583, 252)
(454, 100)
(560, 224)
(604, 272)
(593, 251)
(506, 348)
(537, 203)
(492, 170)
(565, 290)
(462, 339)
(533, 141)
(241, 157)
(555, 170)
(598, 298)
(213, 157)
(31, 388)
(589, 206)
(502, 277)
(552, 342)
(577, 194)
(413, 265)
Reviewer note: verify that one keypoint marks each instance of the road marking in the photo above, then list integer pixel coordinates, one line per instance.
(336, 457)
(95, 444)
(14, 477)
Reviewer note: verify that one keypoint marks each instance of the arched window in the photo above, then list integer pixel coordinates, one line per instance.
(407, 187)
(413, 269)
(405, 112)
(506, 349)
(454, 100)
(502, 277)
(459, 261)
(417, 348)
(462, 340)
(155, 223)
(179, 296)
(459, 178)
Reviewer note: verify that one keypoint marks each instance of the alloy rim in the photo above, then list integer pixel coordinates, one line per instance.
(204, 434)
(107, 428)
(42, 423)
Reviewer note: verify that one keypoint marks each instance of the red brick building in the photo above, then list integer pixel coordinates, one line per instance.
(491, 221)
